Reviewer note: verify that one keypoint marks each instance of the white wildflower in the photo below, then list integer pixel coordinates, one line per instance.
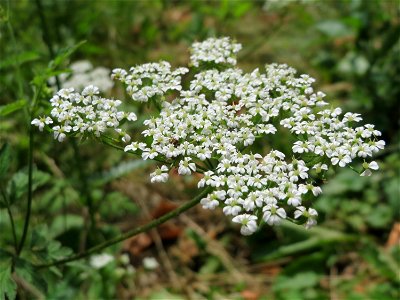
(160, 174)
(101, 260)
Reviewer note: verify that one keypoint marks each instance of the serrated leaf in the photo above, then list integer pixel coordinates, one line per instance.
(5, 155)
(8, 287)
(57, 251)
(116, 204)
(18, 184)
(44, 247)
(26, 271)
(39, 238)
(12, 107)
(64, 223)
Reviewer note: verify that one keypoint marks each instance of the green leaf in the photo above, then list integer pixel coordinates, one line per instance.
(118, 171)
(56, 251)
(5, 157)
(12, 107)
(44, 247)
(345, 180)
(18, 184)
(381, 261)
(164, 294)
(8, 287)
(26, 271)
(41, 79)
(116, 204)
(298, 282)
(381, 216)
(211, 266)
(63, 223)
(392, 191)
(18, 59)
(63, 54)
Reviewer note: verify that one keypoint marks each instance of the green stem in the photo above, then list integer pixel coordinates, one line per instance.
(29, 203)
(31, 111)
(133, 232)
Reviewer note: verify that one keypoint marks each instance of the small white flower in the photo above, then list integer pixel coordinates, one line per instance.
(149, 153)
(373, 165)
(320, 167)
(90, 90)
(131, 117)
(232, 207)
(209, 203)
(186, 166)
(248, 222)
(59, 132)
(219, 51)
(41, 122)
(132, 147)
(311, 214)
(366, 173)
(160, 174)
(368, 167)
(273, 214)
(101, 260)
(150, 263)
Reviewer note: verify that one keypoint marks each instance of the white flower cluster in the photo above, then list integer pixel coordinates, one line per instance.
(83, 74)
(148, 80)
(219, 51)
(86, 112)
(211, 128)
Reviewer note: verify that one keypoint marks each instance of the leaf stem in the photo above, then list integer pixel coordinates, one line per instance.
(132, 232)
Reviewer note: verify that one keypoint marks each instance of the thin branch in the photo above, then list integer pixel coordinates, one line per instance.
(133, 232)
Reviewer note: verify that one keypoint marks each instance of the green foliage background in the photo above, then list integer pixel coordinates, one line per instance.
(351, 47)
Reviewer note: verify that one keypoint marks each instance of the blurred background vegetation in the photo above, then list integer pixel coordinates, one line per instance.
(86, 193)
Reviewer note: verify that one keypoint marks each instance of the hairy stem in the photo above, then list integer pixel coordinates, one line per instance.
(133, 232)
